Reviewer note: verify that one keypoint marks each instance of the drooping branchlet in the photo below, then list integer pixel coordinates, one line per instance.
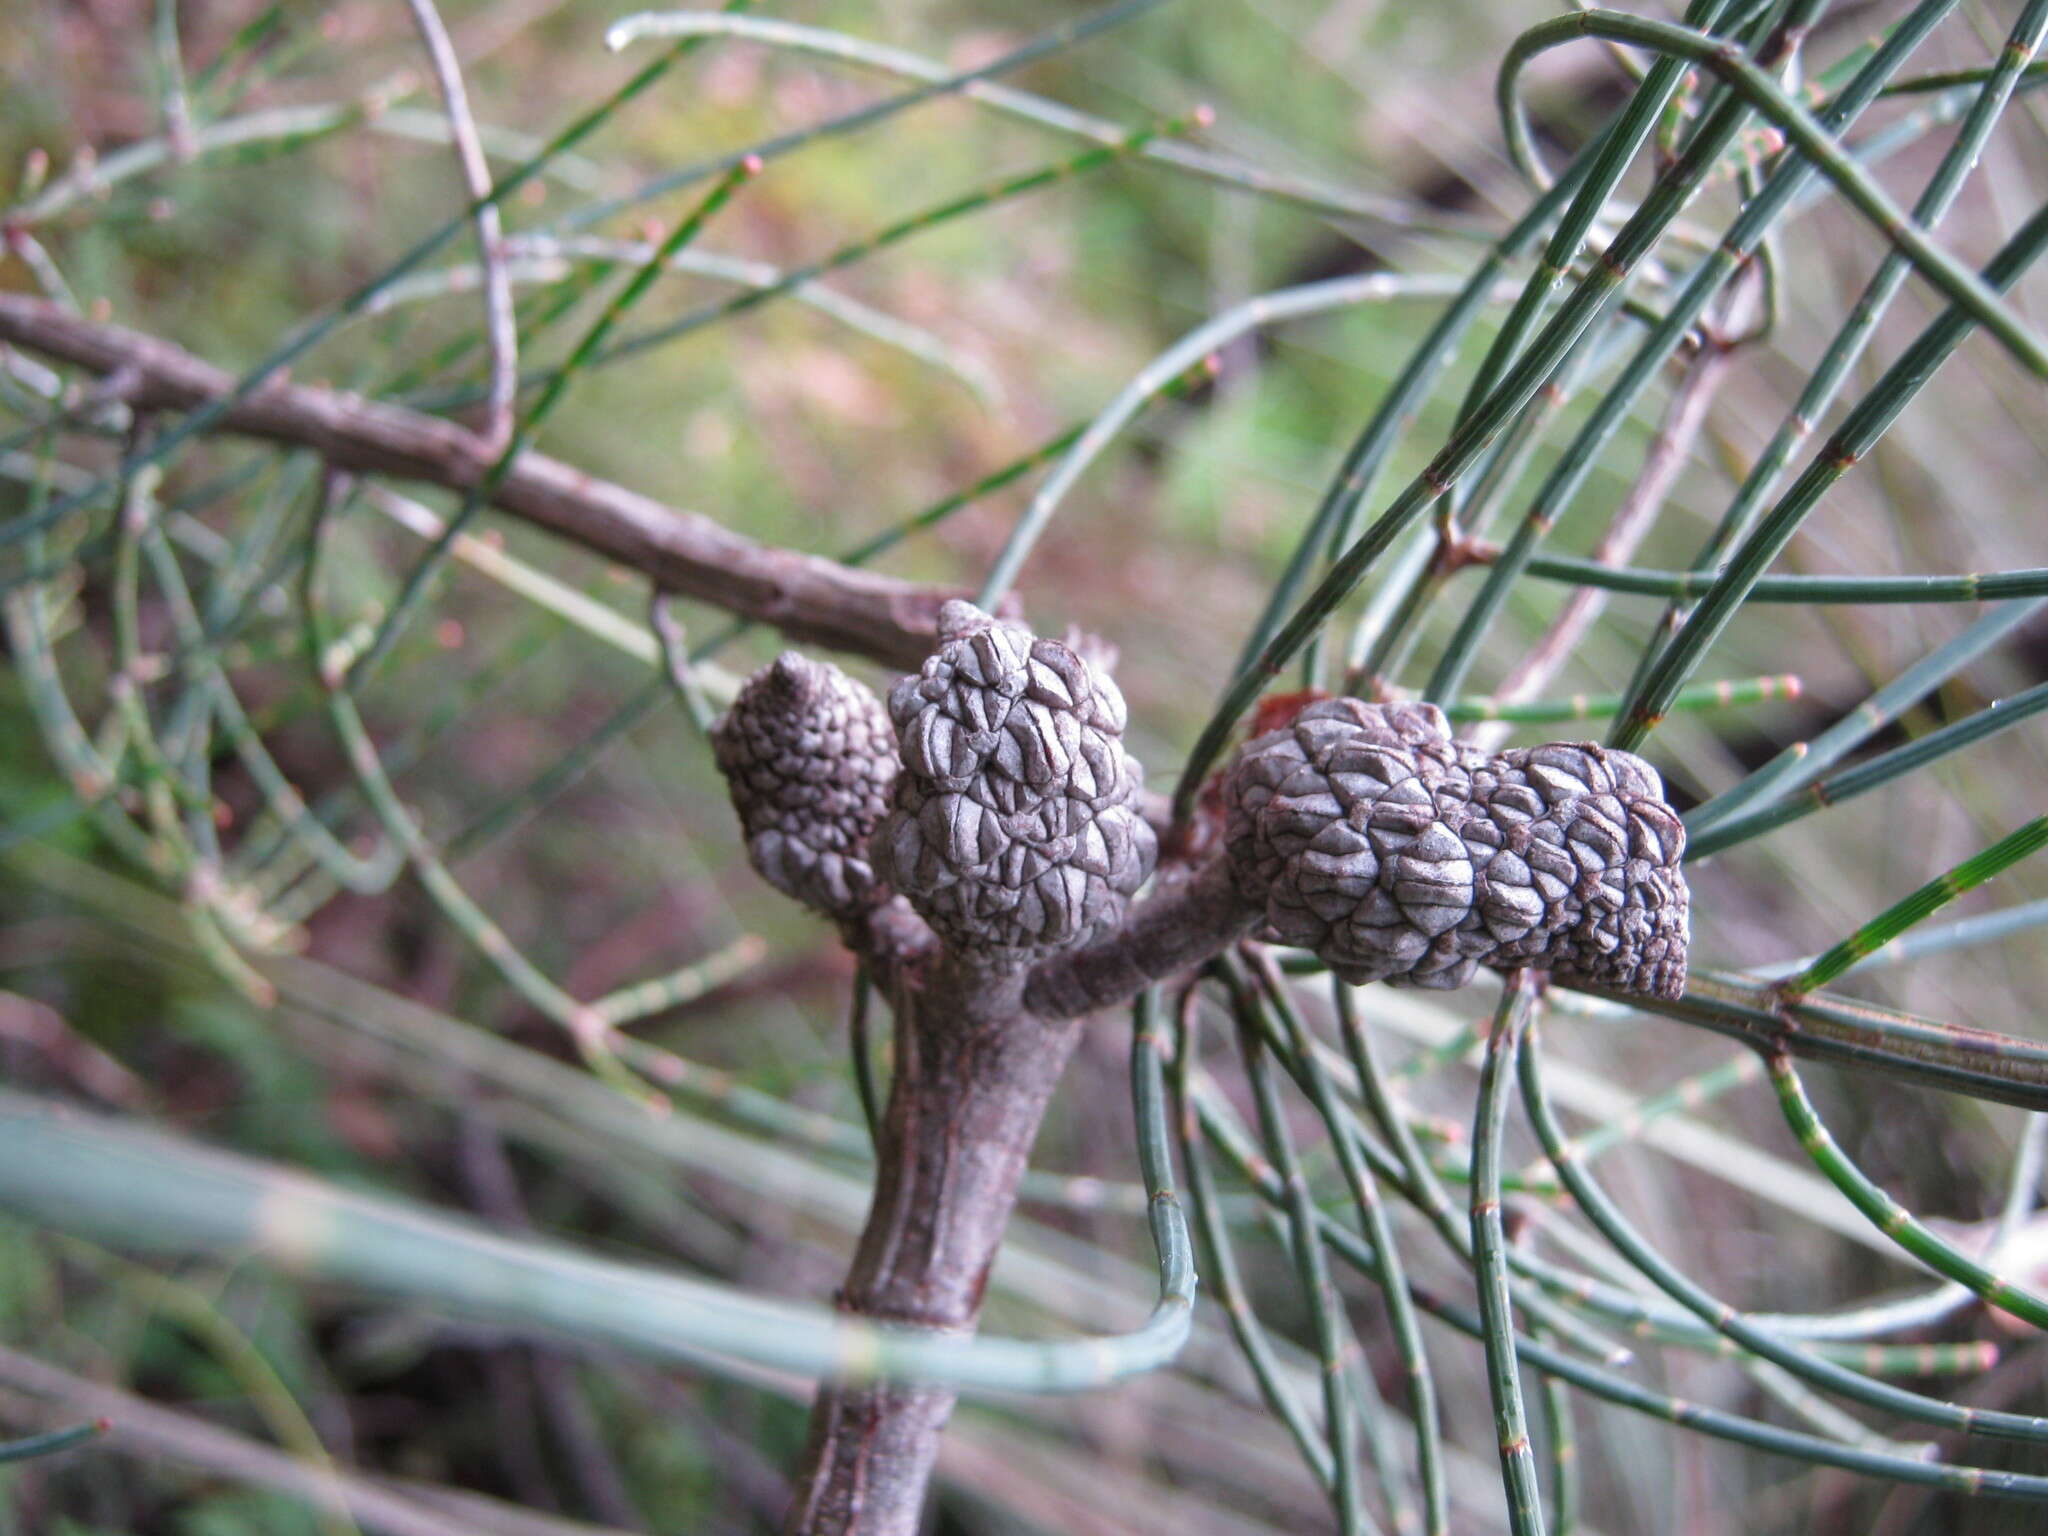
(1396, 854)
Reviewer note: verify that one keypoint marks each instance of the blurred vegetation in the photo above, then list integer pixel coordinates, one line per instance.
(795, 427)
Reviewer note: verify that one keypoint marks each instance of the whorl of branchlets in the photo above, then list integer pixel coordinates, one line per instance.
(1398, 855)
(1012, 827)
(808, 756)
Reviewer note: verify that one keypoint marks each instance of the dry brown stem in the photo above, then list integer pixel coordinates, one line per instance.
(974, 1073)
(807, 597)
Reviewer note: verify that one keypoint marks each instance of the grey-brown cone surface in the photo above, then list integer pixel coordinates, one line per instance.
(1012, 826)
(808, 756)
(1399, 855)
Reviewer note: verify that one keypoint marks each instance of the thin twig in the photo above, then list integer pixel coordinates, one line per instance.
(476, 176)
(1669, 453)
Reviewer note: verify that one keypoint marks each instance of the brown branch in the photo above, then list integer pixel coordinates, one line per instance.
(807, 597)
(979, 1053)
(1177, 928)
(974, 1073)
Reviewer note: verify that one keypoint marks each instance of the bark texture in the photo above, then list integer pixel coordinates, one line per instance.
(974, 1073)
(1192, 917)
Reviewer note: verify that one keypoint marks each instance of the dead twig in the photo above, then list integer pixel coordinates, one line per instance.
(806, 596)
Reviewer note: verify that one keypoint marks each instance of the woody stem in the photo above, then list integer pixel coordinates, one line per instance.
(974, 1073)
(1190, 919)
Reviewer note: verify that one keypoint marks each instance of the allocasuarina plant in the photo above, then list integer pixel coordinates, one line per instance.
(989, 900)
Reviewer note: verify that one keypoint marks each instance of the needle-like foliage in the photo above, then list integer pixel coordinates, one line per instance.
(1702, 404)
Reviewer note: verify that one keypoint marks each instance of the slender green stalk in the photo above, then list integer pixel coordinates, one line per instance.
(1988, 928)
(593, 1034)
(1801, 763)
(1801, 591)
(1865, 1360)
(592, 1027)
(1822, 385)
(1490, 1269)
(859, 1011)
(1822, 1027)
(1728, 693)
(2031, 74)
(142, 1190)
(1219, 1257)
(2000, 715)
(31, 1446)
(1605, 1215)
(1618, 148)
(1930, 898)
(1461, 524)
(1331, 527)
(1886, 1214)
(1855, 437)
(137, 514)
(1341, 1408)
(1390, 1277)
(995, 480)
(1560, 1435)
(1171, 1241)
